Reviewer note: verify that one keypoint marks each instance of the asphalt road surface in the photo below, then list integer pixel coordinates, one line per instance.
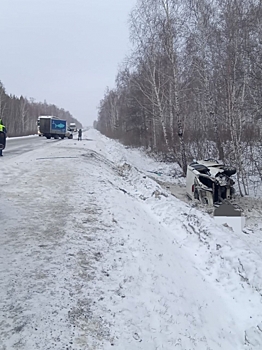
(16, 146)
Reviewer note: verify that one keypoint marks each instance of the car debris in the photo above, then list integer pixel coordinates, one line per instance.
(209, 181)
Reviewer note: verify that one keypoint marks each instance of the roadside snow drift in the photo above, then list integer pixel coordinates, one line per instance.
(95, 254)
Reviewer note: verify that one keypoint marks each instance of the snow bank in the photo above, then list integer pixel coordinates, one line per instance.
(229, 262)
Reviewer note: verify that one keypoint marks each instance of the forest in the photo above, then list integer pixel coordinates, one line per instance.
(191, 88)
(20, 114)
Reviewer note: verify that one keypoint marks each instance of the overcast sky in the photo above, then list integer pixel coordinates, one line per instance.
(63, 51)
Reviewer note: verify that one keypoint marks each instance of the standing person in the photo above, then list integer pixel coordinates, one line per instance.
(80, 134)
(2, 137)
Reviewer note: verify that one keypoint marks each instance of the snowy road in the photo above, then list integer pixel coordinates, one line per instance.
(95, 255)
(16, 146)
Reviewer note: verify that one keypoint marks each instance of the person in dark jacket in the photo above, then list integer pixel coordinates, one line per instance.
(2, 137)
(80, 135)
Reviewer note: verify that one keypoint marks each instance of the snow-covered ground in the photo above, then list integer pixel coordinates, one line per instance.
(95, 254)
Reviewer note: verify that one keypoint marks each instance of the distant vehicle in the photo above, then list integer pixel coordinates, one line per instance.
(209, 181)
(68, 134)
(72, 127)
(50, 126)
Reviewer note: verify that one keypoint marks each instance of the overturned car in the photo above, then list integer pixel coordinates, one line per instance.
(209, 181)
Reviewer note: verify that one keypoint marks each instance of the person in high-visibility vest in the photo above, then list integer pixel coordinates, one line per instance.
(2, 136)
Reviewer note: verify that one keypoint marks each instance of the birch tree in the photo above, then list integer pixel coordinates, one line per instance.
(193, 80)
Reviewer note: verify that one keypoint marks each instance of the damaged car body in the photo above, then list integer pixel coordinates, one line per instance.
(209, 181)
